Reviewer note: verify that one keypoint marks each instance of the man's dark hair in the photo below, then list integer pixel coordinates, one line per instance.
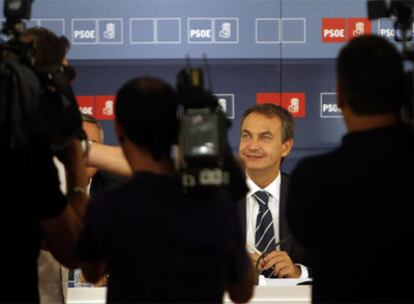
(49, 49)
(370, 75)
(271, 110)
(146, 108)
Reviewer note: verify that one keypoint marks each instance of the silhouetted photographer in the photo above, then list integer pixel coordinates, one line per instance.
(38, 119)
(353, 207)
(157, 241)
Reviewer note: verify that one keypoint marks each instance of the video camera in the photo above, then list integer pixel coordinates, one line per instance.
(401, 11)
(37, 103)
(205, 157)
(15, 11)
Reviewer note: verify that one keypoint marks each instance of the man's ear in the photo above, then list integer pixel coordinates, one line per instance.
(119, 131)
(287, 147)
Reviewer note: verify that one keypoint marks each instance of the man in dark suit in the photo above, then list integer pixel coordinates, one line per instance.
(353, 207)
(266, 137)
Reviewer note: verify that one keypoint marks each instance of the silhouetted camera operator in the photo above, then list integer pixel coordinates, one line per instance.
(157, 242)
(33, 207)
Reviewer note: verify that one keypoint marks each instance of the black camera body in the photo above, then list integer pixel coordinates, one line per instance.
(36, 105)
(402, 12)
(205, 158)
(15, 11)
(203, 133)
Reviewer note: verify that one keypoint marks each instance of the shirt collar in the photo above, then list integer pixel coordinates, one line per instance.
(273, 188)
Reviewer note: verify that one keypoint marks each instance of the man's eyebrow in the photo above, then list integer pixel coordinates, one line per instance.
(246, 131)
(266, 133)
(260, 134)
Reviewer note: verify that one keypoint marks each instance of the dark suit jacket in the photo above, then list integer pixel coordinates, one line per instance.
(291, 246)
(353, 210)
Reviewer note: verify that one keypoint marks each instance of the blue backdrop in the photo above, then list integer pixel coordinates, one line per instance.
(253, 46)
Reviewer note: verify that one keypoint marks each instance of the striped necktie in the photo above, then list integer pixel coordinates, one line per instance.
(265, 233)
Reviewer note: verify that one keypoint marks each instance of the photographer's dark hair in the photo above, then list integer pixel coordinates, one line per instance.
(272, 110)
(49, 49)
(146, 108)
(370, 76)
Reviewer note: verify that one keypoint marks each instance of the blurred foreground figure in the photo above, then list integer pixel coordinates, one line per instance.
(353, 207)
(35, 212)
(157, 243)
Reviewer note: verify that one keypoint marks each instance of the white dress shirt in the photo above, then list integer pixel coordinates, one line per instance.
(252, 210)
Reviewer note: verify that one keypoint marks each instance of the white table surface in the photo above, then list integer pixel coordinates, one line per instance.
(262, 294)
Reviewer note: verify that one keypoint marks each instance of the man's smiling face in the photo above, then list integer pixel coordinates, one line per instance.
(261, 147)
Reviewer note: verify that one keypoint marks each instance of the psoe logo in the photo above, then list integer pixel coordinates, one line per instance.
(329, 108)
(84, 34)
(294, 102)
(105, 107)
(200, 33)
(227, 104)
(86, 110)
(86, 104)
(335, 30)
(358, 27)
